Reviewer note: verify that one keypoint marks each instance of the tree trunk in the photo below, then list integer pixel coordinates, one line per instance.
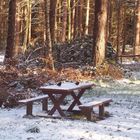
(72, 18)
(27, 36)
(110, 19)
(118, 29)
(69, 20)
(137, 37)
(124, 32)
(26, 24)
(49, 56)
(75, 33)
(87, 17)
(100, 31)
(11, 29)
(17, 36)
(79, 16)
(52, 19)
(64, 20)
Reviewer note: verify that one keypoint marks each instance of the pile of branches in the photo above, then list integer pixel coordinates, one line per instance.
(78, 52)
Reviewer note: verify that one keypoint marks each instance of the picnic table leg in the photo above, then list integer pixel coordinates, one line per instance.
(45, 104)
(88, 113)
(76, 99)
(101, 111)
(29, 108)
(56, 103)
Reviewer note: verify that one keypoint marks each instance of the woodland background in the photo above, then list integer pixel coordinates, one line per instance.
(65, 40)
(43, 23)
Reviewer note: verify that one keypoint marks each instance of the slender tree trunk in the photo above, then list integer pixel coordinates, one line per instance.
(29, 20)
(43, 34)
(58, 21)
(124, 29)
(87, 16)
(64, 20)
(48, 35)
(100, 31)
(1, 29)
(79, 16)
(27, 36)
(118, 29)
(69, 20)
(72, 18)
(137, 38)
(110, 19)
(11, 29)
(75, 34)
(17, 26)
(53, 4)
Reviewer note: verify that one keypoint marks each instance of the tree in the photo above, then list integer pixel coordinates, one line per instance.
(118, 27)
(64, 20)
(100, 31)
(11, 30)
(80, 16)
(87, 17)
(27, 36)
(17, 31)
(53, 4)
(48, 35)
(137, 36)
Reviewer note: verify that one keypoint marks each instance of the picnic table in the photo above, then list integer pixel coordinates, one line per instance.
(63, 90)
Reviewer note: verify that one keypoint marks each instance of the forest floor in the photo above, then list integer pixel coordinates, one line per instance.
(123, 124)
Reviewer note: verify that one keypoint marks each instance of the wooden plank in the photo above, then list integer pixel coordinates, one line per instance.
(95, 103)
(67, 86)
(33, 99)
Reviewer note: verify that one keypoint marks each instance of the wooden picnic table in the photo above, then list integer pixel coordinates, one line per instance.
(63, 90)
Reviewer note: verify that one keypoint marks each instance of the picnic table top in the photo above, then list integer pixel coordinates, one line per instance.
(67, 86)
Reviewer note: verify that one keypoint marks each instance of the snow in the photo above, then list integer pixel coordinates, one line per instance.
(124, 123)
(67, 86)
(1, 58)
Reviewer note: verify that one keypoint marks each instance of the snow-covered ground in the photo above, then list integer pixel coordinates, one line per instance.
(124, 124)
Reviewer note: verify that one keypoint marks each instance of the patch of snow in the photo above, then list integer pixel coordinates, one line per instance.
(67, 86)
(1, 58)
(135, 75)
(129, 62)
(122, 125)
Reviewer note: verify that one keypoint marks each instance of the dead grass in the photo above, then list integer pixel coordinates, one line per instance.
(12, 79)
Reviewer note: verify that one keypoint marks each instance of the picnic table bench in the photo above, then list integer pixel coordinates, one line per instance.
(87, 108)
(29, 102)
